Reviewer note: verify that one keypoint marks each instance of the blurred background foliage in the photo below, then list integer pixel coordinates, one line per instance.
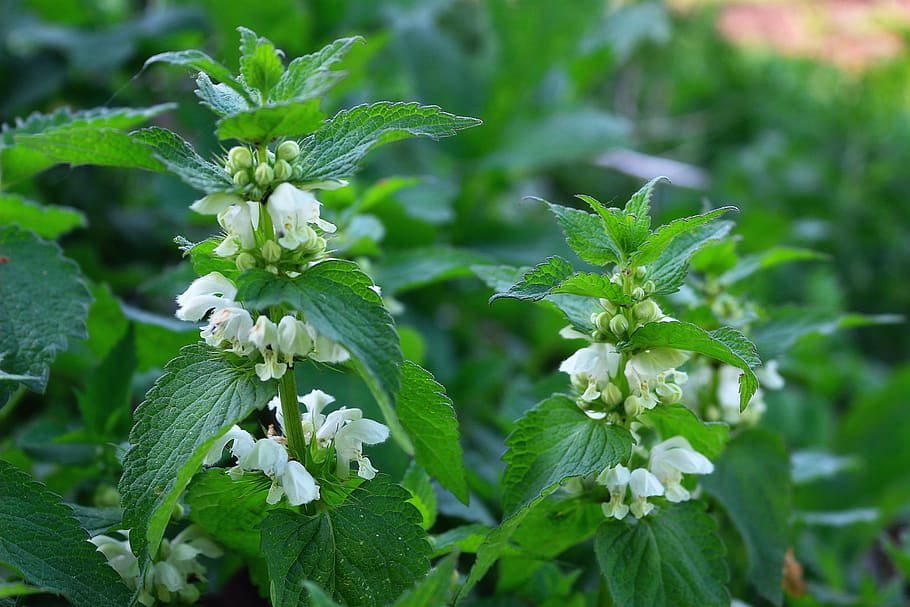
(795, 112)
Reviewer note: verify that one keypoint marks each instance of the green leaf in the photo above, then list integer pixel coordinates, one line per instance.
(91, 146)
(708, 438)
(651, 249)
(670, 559)
(365, 552)
(336, 298)
(423, 496)
(40, 539)
(310, 76)
(587, 235)
(536, 283)
(260, 63)
(554, 441)
(204, 259)
(105, 404)
(47, 221)
(230, 509)
(668, 271)
(558, 524)
(639, 205)
(335, 151)
(413, 268)
(202, 393)
(434, 589)
(429, 418)
(725, 344)
(589, 284)
(179, 157)
(97, 520)
(200, 62)
(751, 481)
(13, 589)
(624, 230)
(45, 303)
(267, 123)
(220, 98)
(747, 266)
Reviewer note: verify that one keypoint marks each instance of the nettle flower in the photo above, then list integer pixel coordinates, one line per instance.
(210, 292)
(616, 479)
(292, 211)
(264, 335)
(230, 325)
(653, 378)
(295, 338)
(216, 203)
(671, 459)
(643, 485)
(592, 368)
(239, 222)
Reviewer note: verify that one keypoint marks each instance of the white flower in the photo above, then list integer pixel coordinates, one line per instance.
(648, 372)
(292, 210)
(349, 441)
(327, 351)
(333, 423)
(671, 459)
(643, 485)
(267, 455)
(212, 291)
(120, 557)
(295, 338)
(242, 442)
(231, 324)
(616, 479)
(240, 222)
(264, 335)
(215, 203)
(592, 366)
(313, 419)
(298, 484)
(728, 397)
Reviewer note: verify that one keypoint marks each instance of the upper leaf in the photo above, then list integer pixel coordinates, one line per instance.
(199, 61)
(260, 63)
(179, 157)
(589, 284)
(587, 235)
(201, 394)
(335, 151)
(40, 539)
(668, 271)
(554, 441)
(651, 249)
(264, 124)
(725, 344)
(536, 283)
(311, 75)
(671, 559)
(365, 552)
(624, 230)
(429, 418)
(639, 205)
(220, 98)
(45, 303)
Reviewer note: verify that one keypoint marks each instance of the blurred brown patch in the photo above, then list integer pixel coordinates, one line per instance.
(794, 584)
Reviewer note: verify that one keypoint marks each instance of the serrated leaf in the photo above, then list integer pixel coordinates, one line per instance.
(45, 303)
(105, 404)
(536, 283)
(91, 146)
(47, 221)
(310, 75)
(40, 539)
(587, 235)
(260, 65)
(179, 157)
(725, 344)
(624, 230)
(749, 265)
(335, 151)
(434, 589)
(264, 124)
(639, 205)
(668, 271)
(97, 520)
(554, 441)
(429, 418)
(751, 481)
(220, 98)
(673, 558)
(365, 552)
(201, 62)
(336, 298)
(202, 393)
(651, 249)
(708, 438)
(204, 259)
(413, 268)
(589, 284)
(317, 596)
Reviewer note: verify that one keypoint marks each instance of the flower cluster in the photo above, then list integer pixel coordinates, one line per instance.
(174, 577)
(341, 433)
(716, 390)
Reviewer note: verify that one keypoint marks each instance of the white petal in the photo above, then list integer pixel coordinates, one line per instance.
(210, 291)
(614, 478)
(644, 484)
(267, 455)
(570, 332)
(298, 484)
(215, 203)
(365, 469)
(365, 431)
(335, 420)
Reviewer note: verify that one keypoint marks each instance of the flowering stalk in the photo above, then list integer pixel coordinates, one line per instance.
(290, 409)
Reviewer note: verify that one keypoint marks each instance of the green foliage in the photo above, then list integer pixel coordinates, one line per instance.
(423, 497)
(538, 282)
(588, 284)
(429, 418)
(662, 238)
(40, 539)
(587, 235)
(38, 317)
(178, 157)
(751, 482)
(267, 123)
(105, 404)
(366, 551)
(199, 397)
(708, 438)
(674, 558)
(556, 440)
(311, 75)
(414, 268)
(49, 221)
(668, 271)
(435, 588)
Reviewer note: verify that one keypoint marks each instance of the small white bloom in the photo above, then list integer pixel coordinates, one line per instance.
(616, 479)
(643, 485)
(231, 324)
(120, 557)
(242, 442)
(349, 441)
(769, 376)
(333, 423)
(264, 335)
(327, 351)
(570, 332)
(215, 203)
(212, 291)
(298, 484)
(599, 361)
(239, 222)
(292, 210)
(671, 459)
(267, 455)
(313, 419)
(295, 338)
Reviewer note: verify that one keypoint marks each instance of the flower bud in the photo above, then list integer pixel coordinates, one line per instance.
(640, 272)
(647, 311)
(178, 512)
(649, 286)
(264, 174)
(601, 320)
(638, 293)
(240, 157)
(245, 262)
(283, 170)
(241, 178)
(619, 325)
(668, 393)
(634, 406)
(608, 305)
(611, 394)
(288, 150)
(271, 252)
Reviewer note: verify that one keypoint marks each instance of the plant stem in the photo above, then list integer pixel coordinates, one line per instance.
(293, 428)
(12, 403)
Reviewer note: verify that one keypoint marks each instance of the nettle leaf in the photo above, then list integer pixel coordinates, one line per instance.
(536, 283)
(725, 344)
(310, 76)
(557, 524)
(91, 146)
(266, 123)
(624, 230)
(260, 62)
(336, 298)
(554, 441)
(40, 539)
(201, 394)
(179, 157)
(97, 520)
(751, 481)
(200, 62)
(670, 559)
(218, 97)
(435, 588)
(708, 438)
(423, 496)
(105, 404)
(45, 303)
(47, 221)
(335, 151)
(365, 552)
(658, 242)
(589, 284)
(587, 235)
(413, 268)
(429, 418)
(204, 259)
(749, 265)
(668, 271)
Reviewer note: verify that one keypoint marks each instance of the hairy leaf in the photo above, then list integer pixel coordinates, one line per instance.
(668, 271)
(587, 235)
(220, 98)
(651, 249)
(47, 221)
(100, 147)
(589, 284)
(105, 404)
(311, 75)
(536, 283)
(260, 63)
(264, 124)
(179, 157)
